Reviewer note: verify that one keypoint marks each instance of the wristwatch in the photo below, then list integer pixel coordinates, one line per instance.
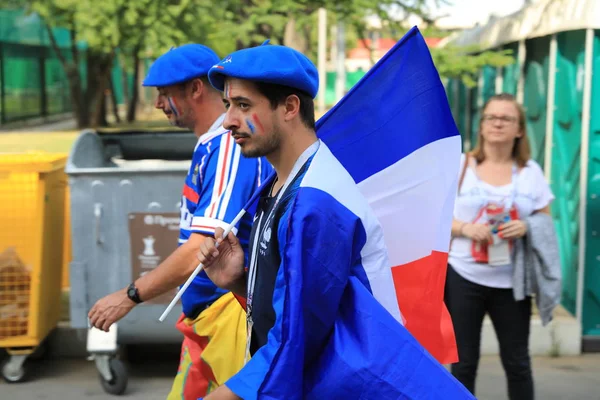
(133, 294)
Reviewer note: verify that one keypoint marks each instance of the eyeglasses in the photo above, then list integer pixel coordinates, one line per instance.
(504, 118)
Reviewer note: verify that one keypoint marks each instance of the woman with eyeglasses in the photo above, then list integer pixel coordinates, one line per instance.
(499, 187)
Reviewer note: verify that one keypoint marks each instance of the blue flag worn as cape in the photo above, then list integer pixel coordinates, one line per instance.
(335, 334)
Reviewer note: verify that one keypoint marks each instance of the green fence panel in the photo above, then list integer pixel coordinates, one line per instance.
(57, 83)
(451, 88)
(117, 80)
(33, 82)
(83, 73)
(535, 95)
(16, 26)
(510, 73)
(591, 298)
(457, 98)
(147, 93)
(131, 82)
(22, 76)
(122, 80)
(352, 79)
(488, 88)
(566, 145)
(330, 88)
(461, 108)
(462, 122)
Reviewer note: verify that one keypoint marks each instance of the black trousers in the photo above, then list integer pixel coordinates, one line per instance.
(468, 303)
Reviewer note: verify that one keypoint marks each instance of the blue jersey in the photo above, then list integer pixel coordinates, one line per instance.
(219, 183)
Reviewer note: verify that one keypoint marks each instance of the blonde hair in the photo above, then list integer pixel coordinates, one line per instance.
(521, 152)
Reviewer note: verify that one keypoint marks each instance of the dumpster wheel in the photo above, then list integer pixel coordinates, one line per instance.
(13, 370)
(118, 383)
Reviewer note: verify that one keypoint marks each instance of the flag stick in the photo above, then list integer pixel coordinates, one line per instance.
(199, 268)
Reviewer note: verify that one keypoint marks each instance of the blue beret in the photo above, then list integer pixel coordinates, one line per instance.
(181, 64)
(274, 64)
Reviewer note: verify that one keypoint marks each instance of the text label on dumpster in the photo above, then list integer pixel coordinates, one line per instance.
(153, 238)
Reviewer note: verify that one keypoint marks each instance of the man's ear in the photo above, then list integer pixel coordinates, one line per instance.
(292, 107)
(197, 88)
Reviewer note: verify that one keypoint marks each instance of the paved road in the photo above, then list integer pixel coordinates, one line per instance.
(567, 378)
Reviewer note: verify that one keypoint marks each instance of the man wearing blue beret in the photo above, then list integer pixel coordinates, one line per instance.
(318, 280)
(219, 183)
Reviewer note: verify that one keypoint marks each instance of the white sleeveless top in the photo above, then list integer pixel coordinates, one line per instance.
(532, 193)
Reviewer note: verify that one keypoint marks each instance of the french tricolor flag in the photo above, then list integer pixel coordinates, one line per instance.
(395, 134)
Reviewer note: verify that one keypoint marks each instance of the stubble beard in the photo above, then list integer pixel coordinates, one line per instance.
(270, 145)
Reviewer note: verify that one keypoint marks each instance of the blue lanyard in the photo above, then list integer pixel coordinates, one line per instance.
(260, 228)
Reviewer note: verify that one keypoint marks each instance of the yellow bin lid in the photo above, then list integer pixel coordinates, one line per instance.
(32, 162)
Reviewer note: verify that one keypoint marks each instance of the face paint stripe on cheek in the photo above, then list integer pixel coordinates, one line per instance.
(173, 106)
(257, 122)
(251, 126)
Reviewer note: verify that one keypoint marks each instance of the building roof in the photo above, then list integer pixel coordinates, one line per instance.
(541, 18)
(383, 45)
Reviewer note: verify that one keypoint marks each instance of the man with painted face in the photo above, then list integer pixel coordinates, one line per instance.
(219, 183)
(322, 317)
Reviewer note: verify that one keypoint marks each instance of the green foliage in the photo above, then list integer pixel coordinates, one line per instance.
(134, 29)
(128, 24)
(465, 63)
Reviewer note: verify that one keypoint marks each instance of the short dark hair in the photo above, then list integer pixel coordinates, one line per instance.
(276, 94)
(204, 78)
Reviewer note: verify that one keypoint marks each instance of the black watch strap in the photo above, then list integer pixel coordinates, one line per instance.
(133, 294)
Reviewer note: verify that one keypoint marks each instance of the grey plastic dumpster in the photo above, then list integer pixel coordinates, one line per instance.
(125, 196)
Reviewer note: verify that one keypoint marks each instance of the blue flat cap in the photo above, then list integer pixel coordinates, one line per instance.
(181, 64)
(270, 64)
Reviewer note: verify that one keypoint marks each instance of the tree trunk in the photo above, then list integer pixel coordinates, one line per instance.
(71, 68)
(100, 114)
(292, 39)
(84, 102)
(135, 94)
(99, 68)
(307, 31)
(80, 109)
(113, 100)
(124, 78)
(239, 44)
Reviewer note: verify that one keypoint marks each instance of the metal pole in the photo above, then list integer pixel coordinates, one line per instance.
(333, 52)
(584, 157)
(340, 83)
(550, 109)
(322, 59)
(455, 91)
(521, 82)
(499, 80)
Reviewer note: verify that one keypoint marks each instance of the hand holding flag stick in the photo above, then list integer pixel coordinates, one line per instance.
(198, 269)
